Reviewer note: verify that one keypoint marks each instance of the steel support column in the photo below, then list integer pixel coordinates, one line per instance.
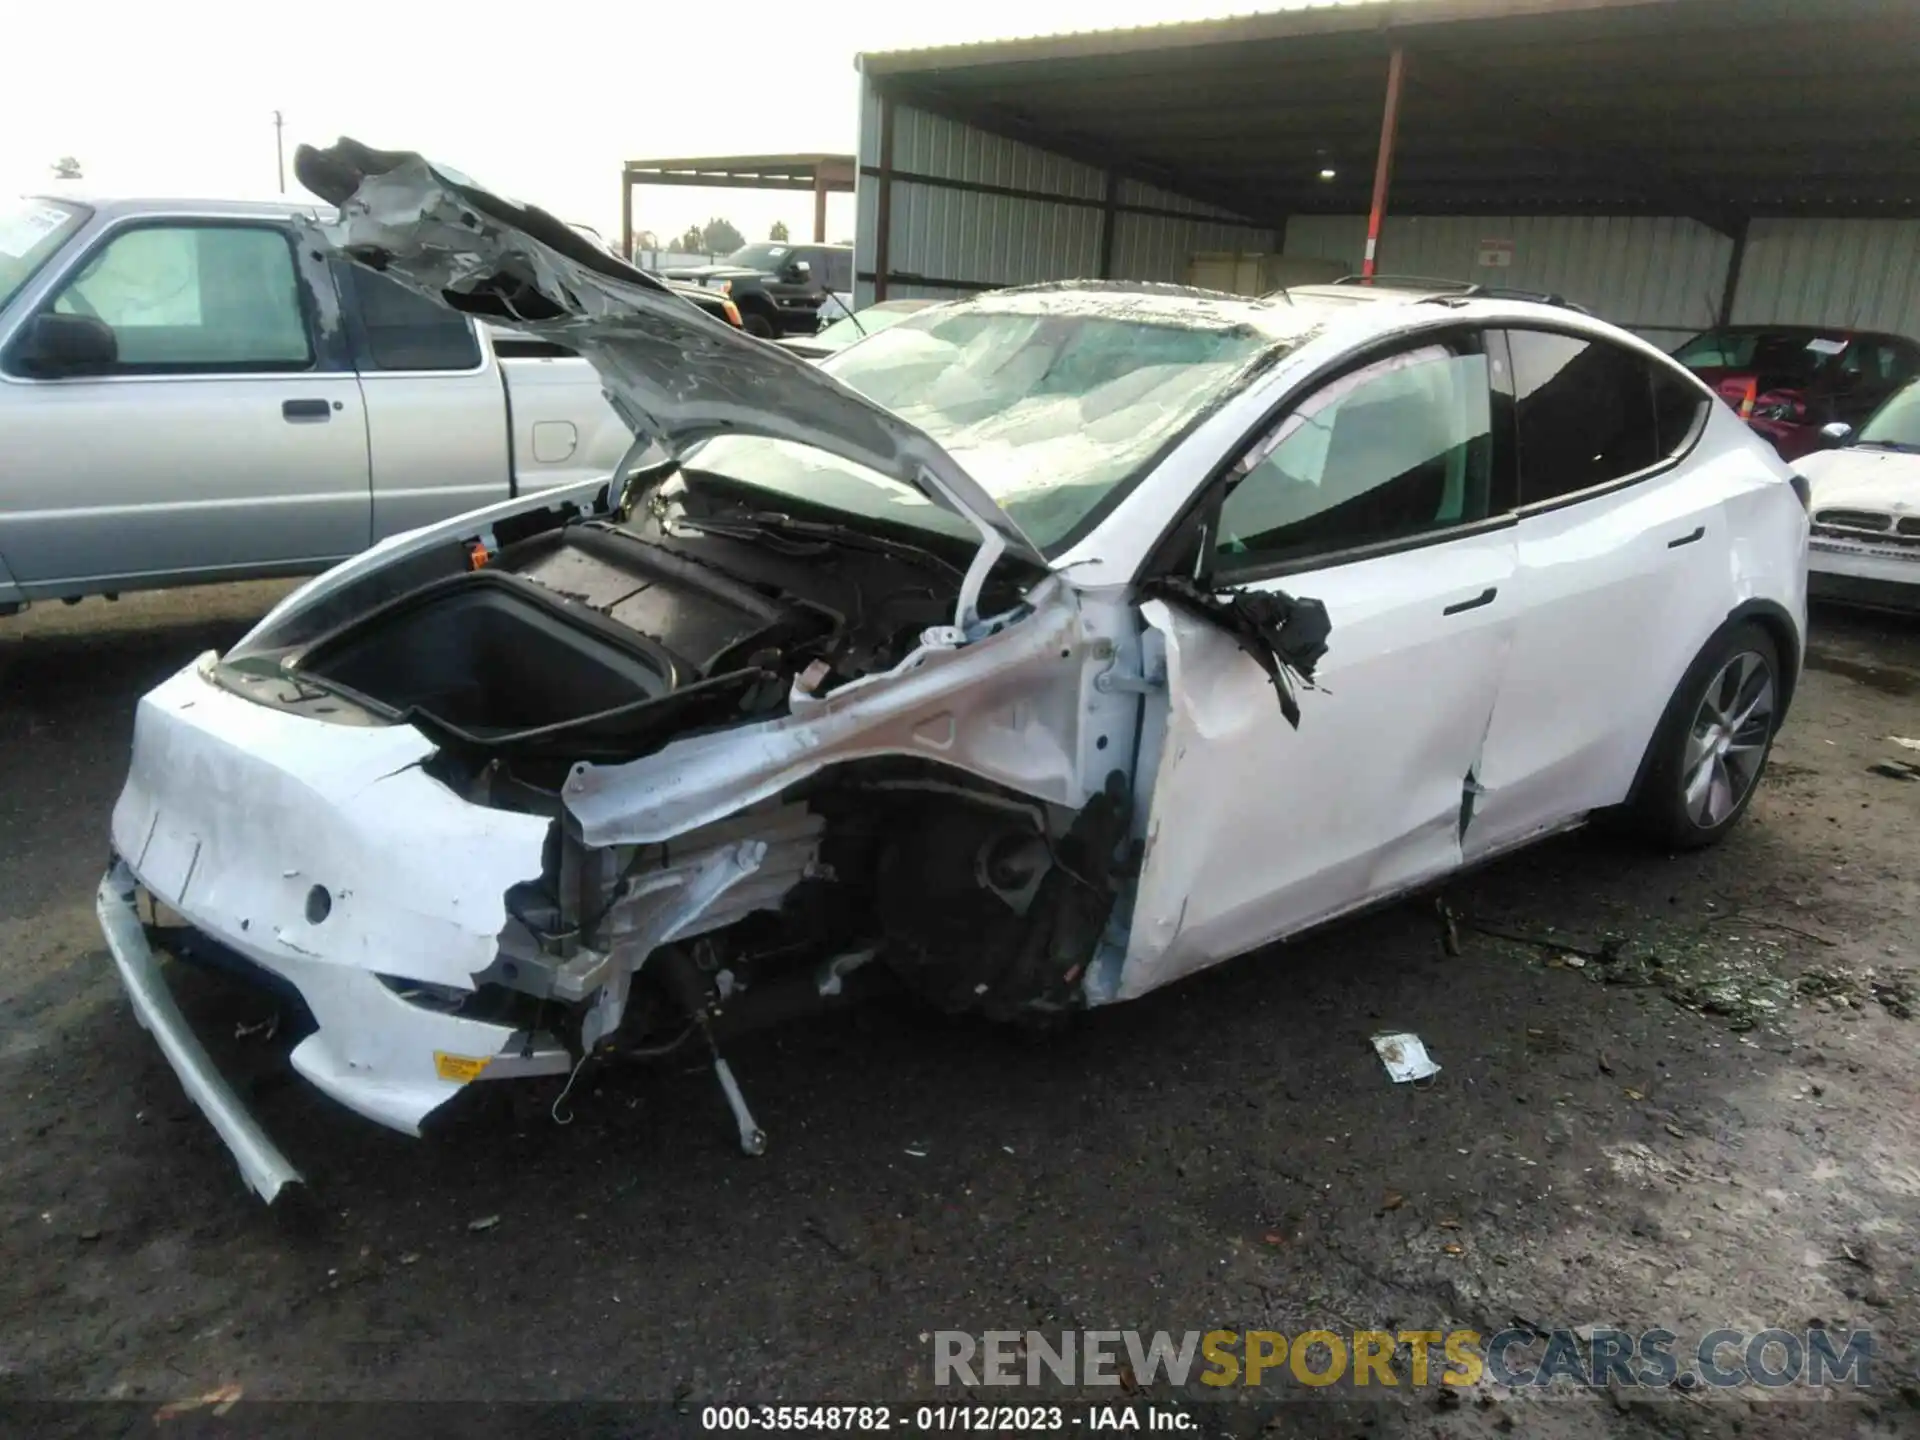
(1734, 262)
(1383, 163)
(1109, 218)
(883, 206)
(820, 206)
(626, 216)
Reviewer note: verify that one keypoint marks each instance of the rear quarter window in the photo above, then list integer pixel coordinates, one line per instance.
(1679, 410)
(1589, 412)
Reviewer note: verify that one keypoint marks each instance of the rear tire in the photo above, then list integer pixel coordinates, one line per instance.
(1711, 749)
(756, 325)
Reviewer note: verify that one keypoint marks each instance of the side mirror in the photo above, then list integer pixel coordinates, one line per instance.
(1836, 433)
(799, 272)
(56, 345)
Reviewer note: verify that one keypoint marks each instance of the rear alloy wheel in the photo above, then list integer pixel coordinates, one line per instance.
(1728, 744)
(1713, 741)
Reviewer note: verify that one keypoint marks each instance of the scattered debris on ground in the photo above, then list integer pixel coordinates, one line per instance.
(1893, 989)
(1713, 971)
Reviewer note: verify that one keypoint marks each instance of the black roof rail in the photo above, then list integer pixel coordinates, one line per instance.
(1537, 297)
(1467, 290)
(1423, 281)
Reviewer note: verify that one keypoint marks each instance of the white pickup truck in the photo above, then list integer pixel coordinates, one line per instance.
(189, 394)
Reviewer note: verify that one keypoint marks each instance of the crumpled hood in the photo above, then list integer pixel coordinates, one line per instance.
(1861, 479)
(670, 371)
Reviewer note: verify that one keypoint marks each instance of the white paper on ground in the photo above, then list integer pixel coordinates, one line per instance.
(1405, 1057)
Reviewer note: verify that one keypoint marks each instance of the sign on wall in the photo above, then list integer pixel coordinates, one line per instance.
(1495, 254)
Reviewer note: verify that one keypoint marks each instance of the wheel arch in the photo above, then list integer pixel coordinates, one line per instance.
(1771, 616)
(753, 302)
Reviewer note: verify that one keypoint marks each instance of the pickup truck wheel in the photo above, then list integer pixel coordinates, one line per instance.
(756, 325)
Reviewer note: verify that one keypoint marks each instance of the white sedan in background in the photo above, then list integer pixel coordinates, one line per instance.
(1030, 655)
(1865, 548)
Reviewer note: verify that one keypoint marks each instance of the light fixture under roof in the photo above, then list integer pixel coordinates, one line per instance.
(1327, 172)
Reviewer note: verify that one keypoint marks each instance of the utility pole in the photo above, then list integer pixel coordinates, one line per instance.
(280, 149)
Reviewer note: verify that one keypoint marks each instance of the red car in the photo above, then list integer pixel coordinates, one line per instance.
(1787, 381)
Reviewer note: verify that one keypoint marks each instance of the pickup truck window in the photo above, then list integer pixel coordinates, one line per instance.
(196, 298)
(399, 330)
(29, 233)
(832, 269)
(762, 256)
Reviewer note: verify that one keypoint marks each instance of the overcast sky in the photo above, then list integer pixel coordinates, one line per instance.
(541, 101)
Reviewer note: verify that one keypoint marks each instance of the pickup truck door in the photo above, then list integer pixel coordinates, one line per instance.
(227, 438)
(564, 431)
(437, 421)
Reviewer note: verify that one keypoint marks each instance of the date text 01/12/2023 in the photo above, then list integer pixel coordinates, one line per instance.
(989, 1419)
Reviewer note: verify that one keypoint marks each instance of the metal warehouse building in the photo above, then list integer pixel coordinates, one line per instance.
(1670, 164)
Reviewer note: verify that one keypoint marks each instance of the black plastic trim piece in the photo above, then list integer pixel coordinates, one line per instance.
(1328, 559)
(1485, 597)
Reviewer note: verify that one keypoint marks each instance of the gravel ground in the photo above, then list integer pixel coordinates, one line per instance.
(1672, 1095)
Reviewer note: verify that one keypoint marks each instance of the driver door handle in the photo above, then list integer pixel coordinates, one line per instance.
(1699, 531)
(305, 412)
(1485, 597)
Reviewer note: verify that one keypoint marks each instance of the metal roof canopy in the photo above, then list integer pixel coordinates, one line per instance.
(822, 174)
(1715, 109)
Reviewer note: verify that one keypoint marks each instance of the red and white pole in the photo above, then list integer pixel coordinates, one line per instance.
(1383, 164)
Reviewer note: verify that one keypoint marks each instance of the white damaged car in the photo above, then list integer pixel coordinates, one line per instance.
(1037, 652)
(1865, 548)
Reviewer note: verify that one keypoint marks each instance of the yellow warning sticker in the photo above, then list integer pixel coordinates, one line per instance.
(460, 1068)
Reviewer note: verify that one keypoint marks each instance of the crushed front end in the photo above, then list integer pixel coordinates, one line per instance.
(571, 781)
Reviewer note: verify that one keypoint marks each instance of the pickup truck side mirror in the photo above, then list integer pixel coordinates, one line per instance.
(799, 272)
(1835, 434)
(57, 345)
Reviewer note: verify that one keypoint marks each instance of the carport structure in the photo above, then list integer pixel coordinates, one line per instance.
(823, 175)
(1640, 156)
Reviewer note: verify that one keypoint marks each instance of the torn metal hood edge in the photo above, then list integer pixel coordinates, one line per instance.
(670, 371)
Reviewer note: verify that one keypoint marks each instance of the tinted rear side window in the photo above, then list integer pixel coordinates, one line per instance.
(1585, 413)
(400, 330)
(1678, 409)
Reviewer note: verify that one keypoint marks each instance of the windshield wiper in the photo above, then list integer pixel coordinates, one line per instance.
(847, 311)
(1904, 447)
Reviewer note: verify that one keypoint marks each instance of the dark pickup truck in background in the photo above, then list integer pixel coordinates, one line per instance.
(778, 287)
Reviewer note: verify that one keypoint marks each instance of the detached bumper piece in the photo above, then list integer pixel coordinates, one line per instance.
(259, 1159)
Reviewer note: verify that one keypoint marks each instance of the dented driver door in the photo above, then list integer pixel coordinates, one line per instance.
(1376, 496)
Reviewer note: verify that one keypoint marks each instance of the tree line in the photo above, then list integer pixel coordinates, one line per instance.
(721, 237)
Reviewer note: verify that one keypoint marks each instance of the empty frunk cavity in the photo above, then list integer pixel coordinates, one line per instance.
(490, 655)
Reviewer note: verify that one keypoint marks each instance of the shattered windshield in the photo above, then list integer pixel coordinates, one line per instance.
(870, 321)
(1050, 410)
(1896, 424)
(30, 232)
